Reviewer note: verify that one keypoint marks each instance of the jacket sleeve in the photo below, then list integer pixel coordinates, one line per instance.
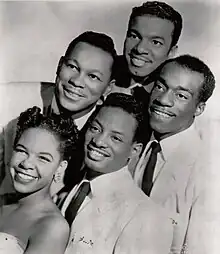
(204, 222)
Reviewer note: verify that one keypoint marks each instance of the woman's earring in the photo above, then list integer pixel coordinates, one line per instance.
(57, 177)
(101, 100)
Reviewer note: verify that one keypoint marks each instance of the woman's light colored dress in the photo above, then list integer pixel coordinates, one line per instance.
(9, 244)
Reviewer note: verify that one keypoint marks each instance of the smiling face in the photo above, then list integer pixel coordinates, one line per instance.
(174, 100)
(83, 77)
(109, 140)
(35, 160)
(147, 44)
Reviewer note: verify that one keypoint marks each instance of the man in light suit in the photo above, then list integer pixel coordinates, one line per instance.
(83, 78)
(178, 181)
(115, 216)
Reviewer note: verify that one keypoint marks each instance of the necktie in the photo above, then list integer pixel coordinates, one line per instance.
(77, 201)
(147, 182)
(141, 95)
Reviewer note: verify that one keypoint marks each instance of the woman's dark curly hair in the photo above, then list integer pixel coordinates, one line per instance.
(63, 129)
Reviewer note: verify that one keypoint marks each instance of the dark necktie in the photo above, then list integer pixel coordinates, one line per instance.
(77, 201)
(139, 93)
(147, 182)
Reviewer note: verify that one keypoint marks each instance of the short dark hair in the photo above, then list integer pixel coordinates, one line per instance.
(163, 11)
(98, 40)
(193, 63)
(63, 129)
(133, 107)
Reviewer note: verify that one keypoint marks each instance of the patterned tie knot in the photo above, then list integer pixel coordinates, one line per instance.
(156, 148)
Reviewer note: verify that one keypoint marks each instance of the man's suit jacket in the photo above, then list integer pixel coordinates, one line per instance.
(119, 218)
(180, 187)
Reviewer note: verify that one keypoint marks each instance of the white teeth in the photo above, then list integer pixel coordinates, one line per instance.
(138, 62)
(96, 154)
(25, 177)
(162, 114)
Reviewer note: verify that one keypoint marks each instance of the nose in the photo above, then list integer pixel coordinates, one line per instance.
(142, 47)
(166, 99)
(77, 80)
(27, 163)
(100, 140)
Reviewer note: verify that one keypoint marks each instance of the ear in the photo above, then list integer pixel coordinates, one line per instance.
(173, 51)
(60, 64)
(200, 108)
(136, 150)
(59, 174)
(109, 88)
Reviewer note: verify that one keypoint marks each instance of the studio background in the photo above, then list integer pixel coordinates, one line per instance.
(34, 34)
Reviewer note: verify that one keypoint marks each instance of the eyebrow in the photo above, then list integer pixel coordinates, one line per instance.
(41, 153)
(163, 81)
(158, 37)
(47, 154)
(21, 146)
(92, 70)
(113, 131)
(152, 36)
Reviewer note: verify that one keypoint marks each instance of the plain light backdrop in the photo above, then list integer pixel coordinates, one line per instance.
(34, 34)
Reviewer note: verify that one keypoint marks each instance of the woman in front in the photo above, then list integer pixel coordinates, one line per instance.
(29, 220)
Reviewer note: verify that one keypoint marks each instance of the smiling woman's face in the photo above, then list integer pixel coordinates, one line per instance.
(109, 140)
(34, 161)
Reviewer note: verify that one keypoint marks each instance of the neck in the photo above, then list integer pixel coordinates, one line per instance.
(91, 174)
(161, 136)
(35, 198)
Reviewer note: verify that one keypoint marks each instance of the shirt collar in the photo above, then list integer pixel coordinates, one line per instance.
(80, 122)
(111, 183)
(169, 145)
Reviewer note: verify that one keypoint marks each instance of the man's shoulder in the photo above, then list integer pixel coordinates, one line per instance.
(47, 88)
(47, 93)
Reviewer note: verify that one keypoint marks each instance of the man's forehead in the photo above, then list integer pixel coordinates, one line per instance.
(114, 112)
(152, 19)
(184, 74)
(82, 46)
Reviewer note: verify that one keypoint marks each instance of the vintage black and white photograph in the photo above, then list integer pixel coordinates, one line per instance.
(109, 121)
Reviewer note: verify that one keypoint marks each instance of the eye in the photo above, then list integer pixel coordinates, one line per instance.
(44, 158)
(182, 96)
(94, 77)
(157, 42)
(117, 139)
(20, 150)
(94, 128)
(159, 86)
(133, 35)
(72, 66)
